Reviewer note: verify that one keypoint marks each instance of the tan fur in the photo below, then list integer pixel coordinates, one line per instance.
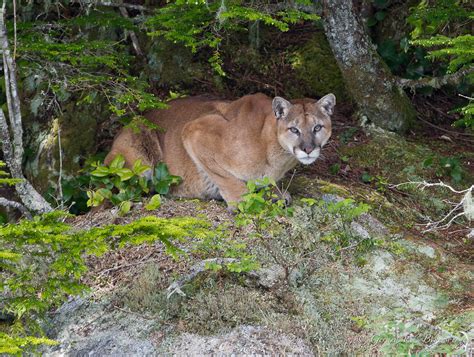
(216, 146)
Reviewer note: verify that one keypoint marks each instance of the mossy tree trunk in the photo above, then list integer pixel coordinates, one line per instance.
(368, 79)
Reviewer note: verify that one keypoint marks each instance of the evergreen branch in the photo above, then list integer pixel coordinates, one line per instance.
(435, 82)
(7, 203)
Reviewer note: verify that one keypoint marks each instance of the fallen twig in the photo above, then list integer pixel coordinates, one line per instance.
(465, 207)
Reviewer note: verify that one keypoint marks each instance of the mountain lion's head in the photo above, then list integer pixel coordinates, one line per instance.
(304, 127)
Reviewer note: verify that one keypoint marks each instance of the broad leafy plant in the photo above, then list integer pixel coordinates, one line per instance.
(122, 186)
(261, 205)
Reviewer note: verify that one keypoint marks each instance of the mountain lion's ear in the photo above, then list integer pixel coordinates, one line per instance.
(281, 107)
(327, 103)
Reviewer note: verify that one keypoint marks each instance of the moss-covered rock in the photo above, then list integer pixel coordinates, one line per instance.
(316, 70)
(171, 65)
(77, 128)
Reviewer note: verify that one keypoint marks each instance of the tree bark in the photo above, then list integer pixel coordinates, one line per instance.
(13, 147)
(7, 203)
(375, 90)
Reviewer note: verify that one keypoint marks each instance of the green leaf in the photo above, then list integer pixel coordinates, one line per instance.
(309, 201)
(8, 255)
(428, 162)
(334, 169)
(101, 171)
(372, 21)
(213, 266)
(35, 103)
(117, 163)
(366, 177)
(161, 171)
(95, 199)
(104, 192)
(154, 203)
(138, 168)
(162, 187)
(125, 207)
(380, 15)
(124, 174)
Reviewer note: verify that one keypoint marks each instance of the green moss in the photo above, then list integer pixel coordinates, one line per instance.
(215, 307)
(147, 293)
(390, 156)
(332, 188)
(316, 70)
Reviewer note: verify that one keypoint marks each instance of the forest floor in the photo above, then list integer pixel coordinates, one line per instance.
(391, 287)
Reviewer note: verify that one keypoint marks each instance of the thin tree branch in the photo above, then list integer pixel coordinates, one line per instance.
(111, 4)
(11, 90)
(424, 184)
(14, 29)
(60, 176)
(435, 82)
(465, 96)
(7, 203)
(132, 34)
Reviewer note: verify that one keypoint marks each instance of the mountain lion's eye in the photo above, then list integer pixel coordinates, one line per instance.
(317, 128)
(294, 130)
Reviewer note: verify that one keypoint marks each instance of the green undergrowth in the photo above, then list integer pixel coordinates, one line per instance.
(401, 333)
(43, 260)
(122, 186)
(219, 300)
(400, 160)
(318, 250)
(387, 160)
(213, 301)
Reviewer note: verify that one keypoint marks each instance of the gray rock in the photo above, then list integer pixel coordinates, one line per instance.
(373, 225)
(268, 277)
(241, 341)
(359, 230)
(87, 328)
(331, 198)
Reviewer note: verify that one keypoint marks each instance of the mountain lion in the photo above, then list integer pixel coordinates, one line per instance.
(216, 146)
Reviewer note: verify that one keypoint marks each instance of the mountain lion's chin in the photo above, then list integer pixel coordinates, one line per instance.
(307, 160)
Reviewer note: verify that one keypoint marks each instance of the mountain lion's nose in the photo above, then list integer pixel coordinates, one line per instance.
(308, 149)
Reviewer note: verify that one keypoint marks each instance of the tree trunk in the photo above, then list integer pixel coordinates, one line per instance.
(12, 135)
(368, 79)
